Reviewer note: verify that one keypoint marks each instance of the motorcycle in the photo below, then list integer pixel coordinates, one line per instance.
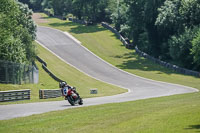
(71, 95)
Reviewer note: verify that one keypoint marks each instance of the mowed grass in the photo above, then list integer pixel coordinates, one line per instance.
(174, 114)
(105, 44)
(67, 73)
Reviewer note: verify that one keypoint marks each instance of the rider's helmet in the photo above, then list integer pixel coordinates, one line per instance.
(63, 84)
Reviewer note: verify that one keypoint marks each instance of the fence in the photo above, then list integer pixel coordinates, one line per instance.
(14, 95)
(15, 73)
(122, 39)
(44, 66)
(53, 93)
(168, 65)
(78, 21)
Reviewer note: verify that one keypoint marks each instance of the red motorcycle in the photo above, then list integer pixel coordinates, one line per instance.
(71, 95)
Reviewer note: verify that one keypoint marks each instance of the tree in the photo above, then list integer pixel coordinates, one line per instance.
(91, 10)
(17, 31)
(62, 7)
(36, 5)
(169, 18)
(119, 16)
(135, 15)
(177, 21)
(78, 8)
(189, 11)
(25, 19)
(179, 48)
(47, 4)
(10, 43)
(26, 2)
(142, 15)
(195, 51)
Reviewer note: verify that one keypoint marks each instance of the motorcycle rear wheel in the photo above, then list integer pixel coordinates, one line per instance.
(70, 100)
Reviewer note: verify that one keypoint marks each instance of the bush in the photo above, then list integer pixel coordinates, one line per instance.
(49, 12)
(143, 42)
(195, 51)
(179, 48)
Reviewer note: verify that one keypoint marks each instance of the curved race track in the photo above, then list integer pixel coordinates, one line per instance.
(81, 58)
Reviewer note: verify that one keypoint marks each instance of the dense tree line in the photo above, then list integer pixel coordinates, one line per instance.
(166, 29)
(89, 10)
(17, 31)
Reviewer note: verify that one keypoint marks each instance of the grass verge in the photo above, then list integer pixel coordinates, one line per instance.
(174, 114)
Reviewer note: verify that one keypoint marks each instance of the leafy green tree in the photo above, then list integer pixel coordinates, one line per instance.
(16, 32)
(119, 16)
(189, 11)
(169, 17)
(10, 42)
(135, 15)
(176, 22)
(180, 46)
(175, 15)
(62, 7)
(25, 19)
(91, 10)
(47, 4)
(142, 15)
(195, 51)
(150, 15)
(99, 10)
(78, 8)
(26, 2)
(36, 5)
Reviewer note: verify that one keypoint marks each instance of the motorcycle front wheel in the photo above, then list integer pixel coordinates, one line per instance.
(80, 102)
(71, 100)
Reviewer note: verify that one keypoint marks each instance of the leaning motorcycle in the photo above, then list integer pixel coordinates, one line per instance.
(71, 95)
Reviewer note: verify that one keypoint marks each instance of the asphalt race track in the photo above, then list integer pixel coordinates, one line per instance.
(73, 53)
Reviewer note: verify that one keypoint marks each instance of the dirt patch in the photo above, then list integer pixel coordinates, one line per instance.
(38, 18)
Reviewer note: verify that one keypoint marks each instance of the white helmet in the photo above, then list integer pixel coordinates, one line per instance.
(63, 84)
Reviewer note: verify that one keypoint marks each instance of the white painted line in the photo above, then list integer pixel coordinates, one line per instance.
(72, 37)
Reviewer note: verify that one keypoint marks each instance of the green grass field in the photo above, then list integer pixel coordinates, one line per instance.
(172, 114)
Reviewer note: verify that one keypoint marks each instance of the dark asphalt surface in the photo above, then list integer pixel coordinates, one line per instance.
(81, 58)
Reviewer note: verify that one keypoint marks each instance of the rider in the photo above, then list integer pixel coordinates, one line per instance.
(64, 84)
